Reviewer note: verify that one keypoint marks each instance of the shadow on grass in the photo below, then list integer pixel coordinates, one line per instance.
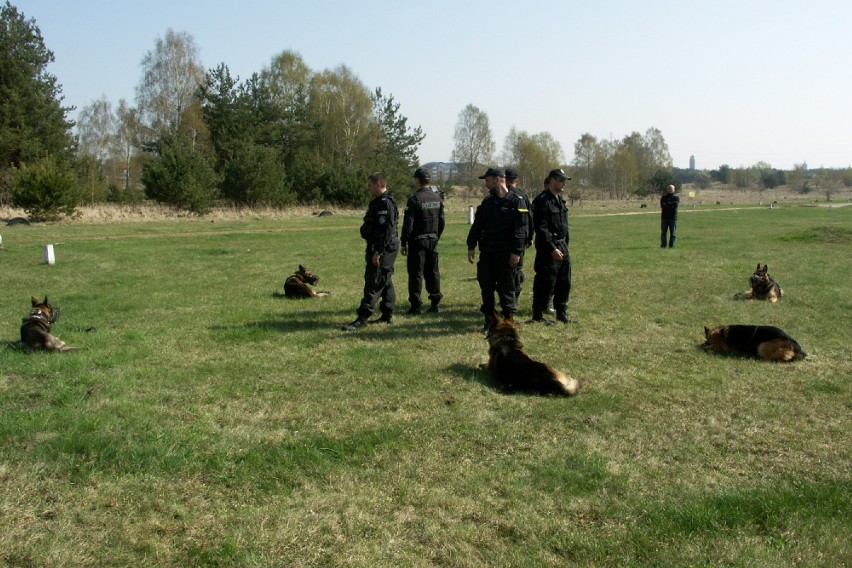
(450, 321)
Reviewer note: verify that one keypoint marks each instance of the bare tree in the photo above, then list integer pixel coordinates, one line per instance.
(343, 109)
(95, 129)
(474, 143)
(171, 75)
(127, 141)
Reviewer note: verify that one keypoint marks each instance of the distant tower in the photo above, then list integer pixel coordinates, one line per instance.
(692, 162)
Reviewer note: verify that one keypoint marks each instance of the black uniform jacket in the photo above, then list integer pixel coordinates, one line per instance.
(550, 219)
(424, 214)
(379, 226)
(669, 203)
(499, 225)
(530, 230)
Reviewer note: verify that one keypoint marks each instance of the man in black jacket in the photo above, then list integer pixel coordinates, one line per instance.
(552, 260)
(668, 216)
(379, 231)
(422, 226)
(498, 228)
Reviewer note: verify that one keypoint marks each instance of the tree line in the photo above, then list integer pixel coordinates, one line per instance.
(285, 134)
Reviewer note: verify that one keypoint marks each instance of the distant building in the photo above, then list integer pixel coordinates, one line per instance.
(692, 162)
(441, 170)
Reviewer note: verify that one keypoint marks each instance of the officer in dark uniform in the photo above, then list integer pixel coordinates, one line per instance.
(552, 261)
(668, 216)
(379, 230)
(422, 226)
(499, 227)
(511, 184)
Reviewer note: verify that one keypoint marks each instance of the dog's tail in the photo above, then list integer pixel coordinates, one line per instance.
(568, 386)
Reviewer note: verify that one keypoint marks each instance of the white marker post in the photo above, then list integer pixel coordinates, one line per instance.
(470, 215)
(49, 257)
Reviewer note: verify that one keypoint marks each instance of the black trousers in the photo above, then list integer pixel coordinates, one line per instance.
(378, 283)
(519, 278)
(552, 278)
(668, 226)
(422, 264)
(495, 274)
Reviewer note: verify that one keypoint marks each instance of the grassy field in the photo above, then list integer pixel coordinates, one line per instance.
(206, 422)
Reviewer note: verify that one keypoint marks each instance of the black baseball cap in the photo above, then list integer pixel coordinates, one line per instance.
(558, 173)
(511, 174)
(492, 172)
(420, 173)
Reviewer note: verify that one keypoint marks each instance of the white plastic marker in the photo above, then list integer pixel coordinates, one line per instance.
(49, 258)
(470, 215)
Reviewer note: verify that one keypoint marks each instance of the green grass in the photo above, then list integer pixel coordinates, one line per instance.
(206, 422)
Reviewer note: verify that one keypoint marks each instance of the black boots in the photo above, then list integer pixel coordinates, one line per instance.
(489, 324)
(564, 318)
(357, 324)
(386, 318)
(538, 317)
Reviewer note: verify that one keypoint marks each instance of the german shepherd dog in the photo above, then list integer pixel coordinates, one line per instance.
(761, 341)
(763, 287)
(35, 329)
(515, 371)
(299, 285)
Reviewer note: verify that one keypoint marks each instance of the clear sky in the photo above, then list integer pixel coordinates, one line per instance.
(729, 81)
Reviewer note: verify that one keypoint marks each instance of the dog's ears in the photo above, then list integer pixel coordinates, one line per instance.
(34, 300)
(706, 332)
(46, 303)
(496, 317)
(758, 266)
(301, 268)
(765, 268)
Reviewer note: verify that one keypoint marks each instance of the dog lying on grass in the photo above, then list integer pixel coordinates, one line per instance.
(515, 371)
(761, 341)
(299, 285)
(763, 287)
(35, 329)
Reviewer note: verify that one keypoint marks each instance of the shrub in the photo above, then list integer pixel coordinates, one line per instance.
(46, 190)
(255, 175)
(180, 175)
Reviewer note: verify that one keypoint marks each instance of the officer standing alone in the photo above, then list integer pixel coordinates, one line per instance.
(499, 226)
(668, 216)
(552, 260)
(379, 231)
(422, 226)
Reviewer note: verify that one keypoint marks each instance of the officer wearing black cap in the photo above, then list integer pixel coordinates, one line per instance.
(422, 226)
(552, 261)
(511, 184)
(379, 231)
(499, 228)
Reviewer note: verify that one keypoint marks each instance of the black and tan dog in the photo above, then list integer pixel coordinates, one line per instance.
(763, 287)
(299, 285)
(515, 371)
(35, 329)
(761, 341)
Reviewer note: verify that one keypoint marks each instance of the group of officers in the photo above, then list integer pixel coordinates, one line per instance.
(505, 224)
